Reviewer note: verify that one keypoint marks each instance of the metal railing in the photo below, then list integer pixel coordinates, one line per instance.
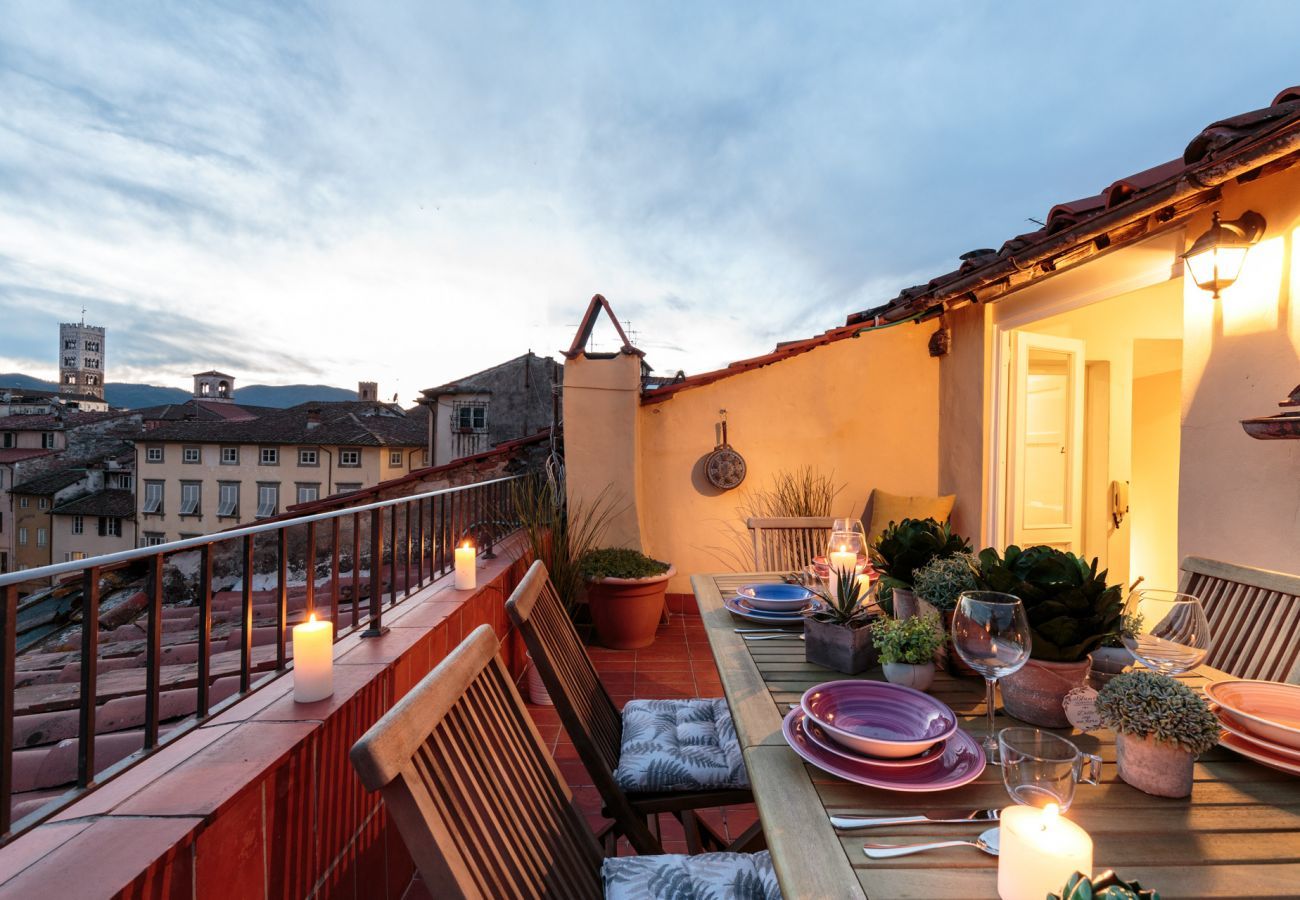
(406, 540)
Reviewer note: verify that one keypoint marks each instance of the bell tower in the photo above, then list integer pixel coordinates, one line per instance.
(81, 359)
(214, 385)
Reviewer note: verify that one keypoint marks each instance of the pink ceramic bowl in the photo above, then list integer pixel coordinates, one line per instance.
(879, 719)
(1267, 709)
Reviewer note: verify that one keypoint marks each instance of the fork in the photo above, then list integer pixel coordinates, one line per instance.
(770, 637)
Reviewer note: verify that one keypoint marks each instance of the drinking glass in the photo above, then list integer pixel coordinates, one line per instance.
(1166, 631)
(846, 540)
(848, 525)
(1039, 767)
(990, 631)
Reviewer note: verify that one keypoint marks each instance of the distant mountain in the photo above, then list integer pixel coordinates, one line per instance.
(134, 396)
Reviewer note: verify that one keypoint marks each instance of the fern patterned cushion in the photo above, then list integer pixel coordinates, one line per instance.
(679, 745)
(716, 876)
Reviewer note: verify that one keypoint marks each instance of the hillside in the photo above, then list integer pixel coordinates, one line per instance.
(131, 396)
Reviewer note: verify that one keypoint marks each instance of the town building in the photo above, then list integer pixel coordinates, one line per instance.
(20, 401)
(509, 401)
(81, 359)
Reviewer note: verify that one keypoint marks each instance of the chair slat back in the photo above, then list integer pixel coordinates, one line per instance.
(788, 543)
(589, 715)
(477, 798)
(1254, 618)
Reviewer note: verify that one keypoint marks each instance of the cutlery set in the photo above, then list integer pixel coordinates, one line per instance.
(987, 841)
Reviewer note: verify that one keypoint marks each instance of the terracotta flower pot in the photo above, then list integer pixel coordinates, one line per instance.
(847, 650)
(626, 611)
(919, 677)
(1035, 693)
(1154, 767)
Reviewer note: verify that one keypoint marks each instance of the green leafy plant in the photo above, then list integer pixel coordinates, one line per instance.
(1106, 886)
(941, 581)
(1071, 609)
(560, 534)
(845, 605)
(912, 640)
(1144, 704)
(618, 562)
(904, 547)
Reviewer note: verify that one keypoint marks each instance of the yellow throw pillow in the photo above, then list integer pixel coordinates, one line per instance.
(887, 507)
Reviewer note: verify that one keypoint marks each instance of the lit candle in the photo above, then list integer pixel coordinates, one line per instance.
(841, 560)
(313, 660)
(465, 574)
(1038, 851)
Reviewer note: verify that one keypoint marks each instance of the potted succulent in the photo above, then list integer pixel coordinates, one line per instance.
(625, 592)
(939, 583)
(838, 634)
(907, 649)
(1071, 611)
(1106, 886)
(1161, 726)
(904, 547)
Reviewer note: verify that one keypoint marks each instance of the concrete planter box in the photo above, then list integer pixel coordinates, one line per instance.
(1037, 692)
(847, 650)
(906, 604)
(918, 677)
(1154, 767)
(626, 611)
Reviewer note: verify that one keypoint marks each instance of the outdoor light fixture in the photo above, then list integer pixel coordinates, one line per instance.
(1215, 259)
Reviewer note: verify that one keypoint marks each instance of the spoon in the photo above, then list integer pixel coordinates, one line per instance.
(987, 841)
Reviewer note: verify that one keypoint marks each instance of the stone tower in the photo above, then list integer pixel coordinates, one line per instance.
(368, 390)
(81, 359)
(214, 385)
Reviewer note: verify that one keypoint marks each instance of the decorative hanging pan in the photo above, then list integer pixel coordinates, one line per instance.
(724, 467)
(1283, 426)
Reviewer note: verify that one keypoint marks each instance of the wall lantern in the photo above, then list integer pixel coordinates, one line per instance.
(1215, 259)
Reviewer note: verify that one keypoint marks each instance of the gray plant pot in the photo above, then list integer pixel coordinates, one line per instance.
(1107, 662)
(847, 650)
(918, 677)
(906, 604)
(1154, 767)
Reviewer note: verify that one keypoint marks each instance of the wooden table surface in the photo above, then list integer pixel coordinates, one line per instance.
(1237, 836)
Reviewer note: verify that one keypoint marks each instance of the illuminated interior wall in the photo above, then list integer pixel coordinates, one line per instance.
(1153, 549)
(1239, 498)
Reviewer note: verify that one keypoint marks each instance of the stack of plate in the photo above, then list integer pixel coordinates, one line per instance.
(821, 567)
(772, 604)
(883, 735)
(1261, 721)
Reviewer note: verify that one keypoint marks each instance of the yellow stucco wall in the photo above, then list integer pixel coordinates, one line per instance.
(865, 409)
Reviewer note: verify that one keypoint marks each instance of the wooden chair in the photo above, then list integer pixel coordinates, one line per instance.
(1254, 618)
(484, 810)
(595, 726)
(788, 543)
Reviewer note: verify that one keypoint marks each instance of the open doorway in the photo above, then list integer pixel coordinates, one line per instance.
(1092, 433)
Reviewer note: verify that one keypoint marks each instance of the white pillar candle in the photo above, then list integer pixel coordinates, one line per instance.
(841, 560)
(1038, 851)
(466, 576)
(313, 660)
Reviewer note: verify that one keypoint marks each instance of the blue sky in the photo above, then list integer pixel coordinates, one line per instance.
(410, 191)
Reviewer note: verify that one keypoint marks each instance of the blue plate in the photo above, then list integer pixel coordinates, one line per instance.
(776, 597)
(739, 606)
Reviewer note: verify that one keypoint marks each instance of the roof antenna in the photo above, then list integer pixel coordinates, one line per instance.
(1036, 222)
(83, 314)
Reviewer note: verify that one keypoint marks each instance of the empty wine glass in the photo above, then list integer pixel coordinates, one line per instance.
(990, 631)
(1165, 630)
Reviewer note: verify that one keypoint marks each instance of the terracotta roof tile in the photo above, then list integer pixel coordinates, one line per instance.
(347, 422)
(17, 454)
(111, 502)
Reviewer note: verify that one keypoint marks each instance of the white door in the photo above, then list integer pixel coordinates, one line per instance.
(1045, 444)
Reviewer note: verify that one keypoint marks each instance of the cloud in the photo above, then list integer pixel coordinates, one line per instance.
(409, 192)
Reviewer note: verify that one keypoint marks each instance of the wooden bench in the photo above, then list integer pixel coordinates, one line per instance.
(1254, 618)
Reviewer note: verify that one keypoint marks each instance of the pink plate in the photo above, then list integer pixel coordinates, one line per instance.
(1232, 726)
(1266, 709)
(819, 737)
(961, 763)
(1259, 753)
(879, 719)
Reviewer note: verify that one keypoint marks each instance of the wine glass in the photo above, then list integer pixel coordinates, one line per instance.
(1165, 630)
(990, 631)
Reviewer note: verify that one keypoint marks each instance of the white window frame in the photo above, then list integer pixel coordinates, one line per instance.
(47, 440)
(42, 537)
(197, 455)
(308, 457)
(78, 525)
(23, 502)
(149, 507)
(22, 536)
(153, 454)
(230, 456)
(43, 503)
(268, 500)
(345, 455)
(74, 556)
(191, 496)
(110, 526)
(268, 456)
(394, 459)
(313, 489)
(228, 505)
(153, 539)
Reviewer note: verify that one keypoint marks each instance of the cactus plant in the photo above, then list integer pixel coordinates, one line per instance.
(1144, 704)
(1106, 886)
(844, 603)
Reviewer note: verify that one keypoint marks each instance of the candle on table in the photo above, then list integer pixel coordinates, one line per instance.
(842, 560)
(465, 573)
(1038, 851)
(313, 660)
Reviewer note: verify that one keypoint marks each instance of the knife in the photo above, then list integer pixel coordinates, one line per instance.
(941, 816)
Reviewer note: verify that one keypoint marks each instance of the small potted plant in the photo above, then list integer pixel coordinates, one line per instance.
(1161, 726)
(1071, 611)
(1106, 886)
(939, 583)
(907, 649)
(838, 634)
(903, 548)
(625, 592)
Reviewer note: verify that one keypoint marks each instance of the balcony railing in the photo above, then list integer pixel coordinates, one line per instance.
(337, 563)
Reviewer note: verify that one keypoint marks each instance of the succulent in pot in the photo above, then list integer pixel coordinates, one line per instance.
(905, 547)
(837, 635)
(939, 583)
(1106, 886)
(625, 591)
(907, 648)
(1071, 611)
(1161, 726)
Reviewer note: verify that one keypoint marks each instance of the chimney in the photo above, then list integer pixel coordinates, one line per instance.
(313, 417)
(368, 390)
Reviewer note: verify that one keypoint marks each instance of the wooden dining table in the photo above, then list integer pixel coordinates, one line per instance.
(1238, 835)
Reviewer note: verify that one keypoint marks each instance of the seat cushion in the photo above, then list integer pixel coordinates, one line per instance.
(887, 507)
(716, 876)
(679, 745)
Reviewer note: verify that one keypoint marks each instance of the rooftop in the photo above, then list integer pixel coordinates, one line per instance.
(109, 502)
(345, 423)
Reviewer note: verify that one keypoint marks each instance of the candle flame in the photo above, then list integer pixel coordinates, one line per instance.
(465, 546)
(844, 548)
(1050, 813)
(311, 620)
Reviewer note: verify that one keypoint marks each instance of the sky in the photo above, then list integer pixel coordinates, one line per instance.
(408, 192)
